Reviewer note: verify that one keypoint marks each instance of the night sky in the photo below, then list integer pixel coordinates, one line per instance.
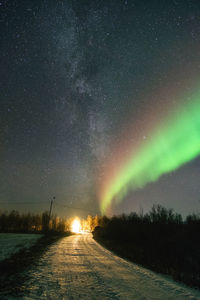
(80, 82)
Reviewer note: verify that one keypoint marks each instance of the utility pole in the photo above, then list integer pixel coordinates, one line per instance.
(50, 210)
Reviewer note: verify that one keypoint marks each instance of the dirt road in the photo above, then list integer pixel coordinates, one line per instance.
(77, 267)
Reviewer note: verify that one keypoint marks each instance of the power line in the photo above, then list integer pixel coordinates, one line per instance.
(47, 202)
(36, 202)
(84, 209)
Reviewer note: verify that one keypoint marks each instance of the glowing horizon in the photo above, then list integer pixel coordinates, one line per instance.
(76, 225)
(174, 142)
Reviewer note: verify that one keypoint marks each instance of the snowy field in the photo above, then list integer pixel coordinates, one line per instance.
(11, 243)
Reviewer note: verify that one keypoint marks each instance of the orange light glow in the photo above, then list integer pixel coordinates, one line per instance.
(76, 226)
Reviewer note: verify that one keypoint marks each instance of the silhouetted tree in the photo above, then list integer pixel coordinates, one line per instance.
(160, 240)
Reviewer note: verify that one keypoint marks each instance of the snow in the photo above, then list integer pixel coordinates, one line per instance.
(11, 243)
(77, 267)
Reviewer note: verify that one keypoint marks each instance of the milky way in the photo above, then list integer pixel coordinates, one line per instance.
(72, 76)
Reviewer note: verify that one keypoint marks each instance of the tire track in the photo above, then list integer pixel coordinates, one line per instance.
(77, 267)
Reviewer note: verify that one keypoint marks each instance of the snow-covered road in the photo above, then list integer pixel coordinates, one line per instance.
(77, 267)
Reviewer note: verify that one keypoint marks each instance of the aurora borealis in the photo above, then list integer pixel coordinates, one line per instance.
(174, 142)
(98, 100)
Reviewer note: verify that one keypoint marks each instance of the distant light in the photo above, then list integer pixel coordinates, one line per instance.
(76, 226)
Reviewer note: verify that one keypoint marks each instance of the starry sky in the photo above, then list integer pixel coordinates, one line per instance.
(80, 81)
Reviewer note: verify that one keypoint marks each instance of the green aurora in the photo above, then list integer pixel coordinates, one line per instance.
(175, 142)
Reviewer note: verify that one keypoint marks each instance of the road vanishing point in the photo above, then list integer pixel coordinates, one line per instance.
(77, 267)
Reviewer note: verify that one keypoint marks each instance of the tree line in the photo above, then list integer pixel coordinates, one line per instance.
(15, 222)
(160, 240)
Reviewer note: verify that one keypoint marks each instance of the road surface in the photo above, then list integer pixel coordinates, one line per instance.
(77, 267)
